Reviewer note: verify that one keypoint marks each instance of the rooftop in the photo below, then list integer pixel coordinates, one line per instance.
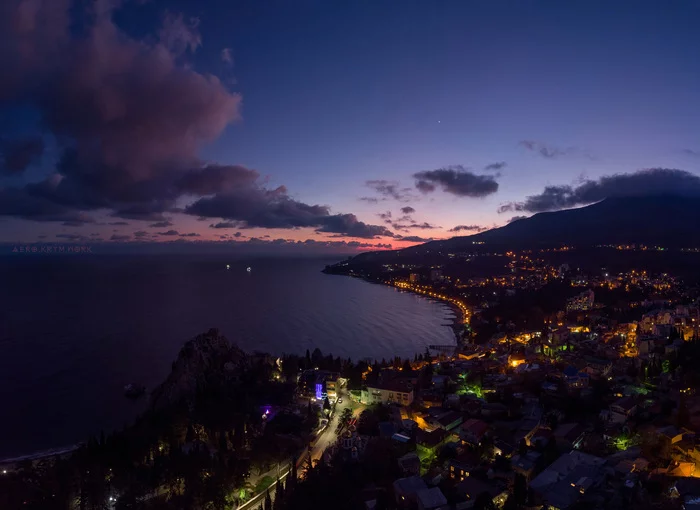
(474, 426)
(409, 485)
(431, 498)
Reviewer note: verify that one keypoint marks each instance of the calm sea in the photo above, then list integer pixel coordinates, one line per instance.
(75, 329)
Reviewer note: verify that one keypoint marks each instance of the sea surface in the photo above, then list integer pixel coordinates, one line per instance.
(74, 329)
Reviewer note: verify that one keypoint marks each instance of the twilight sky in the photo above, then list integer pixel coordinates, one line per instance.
(343, 125)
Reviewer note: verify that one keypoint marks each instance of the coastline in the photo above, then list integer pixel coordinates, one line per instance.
(405, 341)
(41, 455)
(459, 319)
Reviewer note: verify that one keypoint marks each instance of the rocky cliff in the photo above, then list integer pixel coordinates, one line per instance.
(205, 359)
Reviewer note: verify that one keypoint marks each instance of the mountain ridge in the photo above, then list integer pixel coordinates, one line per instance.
(660, 220)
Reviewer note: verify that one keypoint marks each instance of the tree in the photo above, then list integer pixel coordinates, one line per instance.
(407, 366)
(279, 495)
(522, 447)
(268, 500)
(190, 433)
(223, 443)
(292, 480)
(520, 489)
(484, 502)
(316, 356)
(326, 405)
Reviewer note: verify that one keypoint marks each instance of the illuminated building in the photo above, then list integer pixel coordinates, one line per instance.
(320, 384)
(583, 301)
(393, 392)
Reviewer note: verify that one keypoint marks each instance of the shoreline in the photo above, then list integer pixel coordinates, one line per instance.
(455, 324)
(41, 454)
(460, 315)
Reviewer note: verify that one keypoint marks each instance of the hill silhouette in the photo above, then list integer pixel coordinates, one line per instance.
(667, 221)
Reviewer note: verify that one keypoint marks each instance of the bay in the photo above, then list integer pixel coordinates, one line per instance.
(75, 329)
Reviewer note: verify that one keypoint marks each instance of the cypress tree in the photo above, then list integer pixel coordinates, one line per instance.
(292, 480)
(279, 495)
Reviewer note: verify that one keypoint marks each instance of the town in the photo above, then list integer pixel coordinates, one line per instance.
(580, 396)
(567, 387)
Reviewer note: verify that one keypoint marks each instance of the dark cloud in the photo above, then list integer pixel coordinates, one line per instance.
(370, 200)
(256, 206)
(417, 239)
(141, 233)
(308, 243)
(224, 224)
(510, 206)
(348, 225)
(118, 237)
(457, 181)
(691, 152)
(30, 203)
(467, 228)
(127, 131)
(119, 223)
(389, 189)
(516, 218)
(322, 244)
(259, 207)
(72, 237)
(500, 165)
(425, 186)
(386, 216)
(151, 211)
(238, 234)
(130, 117)
(169, 233)
(16, 155)
(213, 179)
(548, 151)
(191, 234)
(409, 226)
(408, 210)
(653, 181)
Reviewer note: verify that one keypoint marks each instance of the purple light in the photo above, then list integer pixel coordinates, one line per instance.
(319, 391)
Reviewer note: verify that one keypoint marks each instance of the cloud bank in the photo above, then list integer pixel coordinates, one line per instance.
(468, 228)
(457, 181)
(649, 182)
(130, 118)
